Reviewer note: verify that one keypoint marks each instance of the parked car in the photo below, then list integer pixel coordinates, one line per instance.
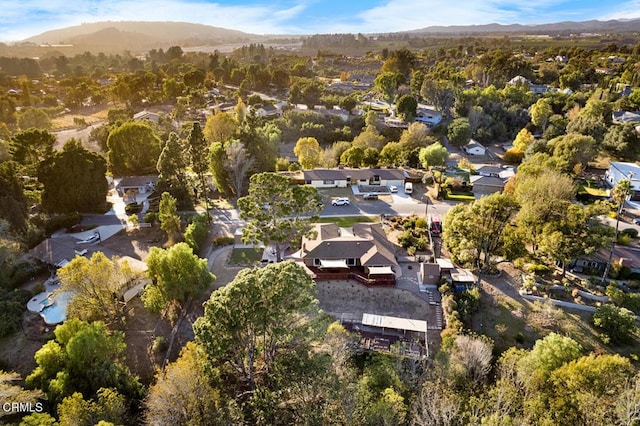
(393, 189)
(370, 197)
(343, 201)
(636, 221)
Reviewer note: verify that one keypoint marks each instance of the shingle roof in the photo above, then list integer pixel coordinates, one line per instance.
(136, 181)
(369, 243)
(342, 174)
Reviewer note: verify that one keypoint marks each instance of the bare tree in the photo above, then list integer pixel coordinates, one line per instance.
(436, 407)
(472, 358)
(628, 404)
(238, 164)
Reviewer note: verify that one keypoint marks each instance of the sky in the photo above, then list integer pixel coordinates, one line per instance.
(20, 19)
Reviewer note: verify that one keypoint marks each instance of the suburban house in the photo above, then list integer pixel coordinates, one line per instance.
(365, 254)
(627, 256)
(268, 111)
(624, 117)
(620, 171)
(57, 252)
(474, 148)
(520, 81)
(136, 184)
(485, 185)
(342, 178)
(428, 116)
(147, 115)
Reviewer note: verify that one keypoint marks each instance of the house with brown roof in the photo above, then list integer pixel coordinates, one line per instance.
(365, 254)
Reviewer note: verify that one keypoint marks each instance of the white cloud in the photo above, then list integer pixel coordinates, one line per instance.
(625, 10)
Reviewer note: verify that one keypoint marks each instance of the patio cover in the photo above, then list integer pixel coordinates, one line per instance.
(380, 270)
(342, 263)
(394, 323)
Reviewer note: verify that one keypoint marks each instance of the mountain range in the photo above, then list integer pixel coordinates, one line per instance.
(143, 35)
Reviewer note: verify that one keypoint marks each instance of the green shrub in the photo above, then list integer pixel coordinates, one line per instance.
(151, 217)
(222, 241)
(12, 306)
(631, 232)
(196, 234)
(159, 345)
(539, 269)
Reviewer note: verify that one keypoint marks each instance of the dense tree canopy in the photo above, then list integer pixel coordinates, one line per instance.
(74, 179)
(133, 150)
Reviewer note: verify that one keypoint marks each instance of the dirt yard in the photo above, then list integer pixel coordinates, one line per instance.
(353, 299)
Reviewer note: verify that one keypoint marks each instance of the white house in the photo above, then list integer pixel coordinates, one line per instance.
(137, 184)
(341, 178)
(620, 171)
(428, 116)
(474, 148)
(268, 111)
(147, 115)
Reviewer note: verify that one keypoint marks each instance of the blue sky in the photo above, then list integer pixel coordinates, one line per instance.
(24, 18)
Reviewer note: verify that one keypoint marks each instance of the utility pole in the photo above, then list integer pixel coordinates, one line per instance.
(615, 235)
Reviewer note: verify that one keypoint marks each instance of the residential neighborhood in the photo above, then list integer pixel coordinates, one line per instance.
(211, 227)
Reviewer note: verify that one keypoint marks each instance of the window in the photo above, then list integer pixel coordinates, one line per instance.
(316, 262)
(329, 182)
(351, 262)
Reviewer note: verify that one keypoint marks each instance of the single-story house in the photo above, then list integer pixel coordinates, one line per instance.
(620, 171)
(331, 252)
(428, 116)
(622, 255)
(268, 111)
(489, 171)
(519, 81)
(59, 251)
(474, 148)
(624, 117)
(147, 115)
(137, 184)
(342, 178)
(483, 185)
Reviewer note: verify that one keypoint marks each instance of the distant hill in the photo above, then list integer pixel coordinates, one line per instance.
(631, 25)
(141, 35)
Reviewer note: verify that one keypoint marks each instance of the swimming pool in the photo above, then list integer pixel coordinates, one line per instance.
(56, 311)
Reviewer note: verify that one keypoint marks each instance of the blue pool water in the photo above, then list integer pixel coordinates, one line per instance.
(56, 311)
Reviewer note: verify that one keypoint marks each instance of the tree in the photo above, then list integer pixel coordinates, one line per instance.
(109, 406)
(276, 211)
(573, 149)
(623, 142)
(218, 161)
(416, 136)
(475, 232)
(540, 113)
(33, 118)
(176, 274)
(97, 284)
(588, 125)
(84, 357)
(238, 163)
(74, 179)
(183, 393)
(586, 390)
(392, 155)
(459, 132)
(168, 217)
(370, 157)
(352, 157)
(172, 176)
(386, 84)
(31, 147)
(308, 151)
(434, 155)
(544, 197)
(12, 392)
(406, 107)
(547, 355)
(12, 197)
(577, 233)
(523, 139)
(197, 147)
(133, 149)
(617, 324)
(471, 360)
(220, 127)
(249, 323)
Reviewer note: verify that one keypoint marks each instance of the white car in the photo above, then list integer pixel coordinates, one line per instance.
(393, 189)
(340, 202)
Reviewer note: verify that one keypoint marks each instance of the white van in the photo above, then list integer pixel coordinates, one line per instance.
(408, 187)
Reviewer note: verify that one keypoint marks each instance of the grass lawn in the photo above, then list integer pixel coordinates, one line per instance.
(345, 222)
(593, 191)
(458, 196)
(245, 256)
